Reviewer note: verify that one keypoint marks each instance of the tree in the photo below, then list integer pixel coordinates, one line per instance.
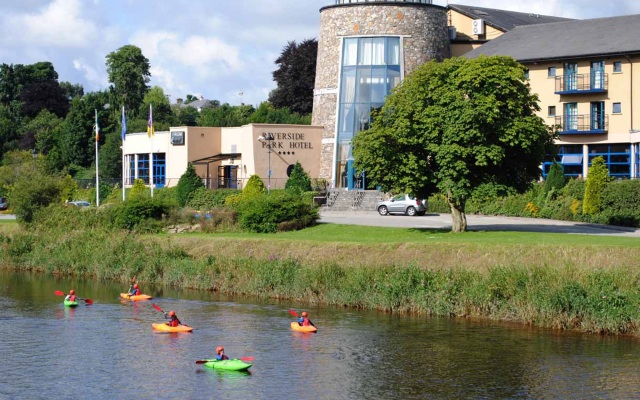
(46, 95)
(555, 179)
(267, 114)
(72, 90)
(295, 77)
(188, 183)
(597, 179)
(298, 181)
(453, 126)
(162, 112)
(129, 74)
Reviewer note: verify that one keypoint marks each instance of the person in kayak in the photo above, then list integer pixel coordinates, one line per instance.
(71, 296)
(220, 354)
(134, 290)
(173, 319)
(304, 320)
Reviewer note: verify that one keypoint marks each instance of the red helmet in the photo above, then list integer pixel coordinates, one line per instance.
(304, 314)
(172, 313)
(135, 286)
(219, 349)
(72, 291)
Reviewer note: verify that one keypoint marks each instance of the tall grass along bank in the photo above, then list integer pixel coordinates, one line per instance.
(591, 287)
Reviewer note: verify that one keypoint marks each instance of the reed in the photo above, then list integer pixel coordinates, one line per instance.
(589, 287)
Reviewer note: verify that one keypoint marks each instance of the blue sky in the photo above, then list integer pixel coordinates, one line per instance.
(223, 50)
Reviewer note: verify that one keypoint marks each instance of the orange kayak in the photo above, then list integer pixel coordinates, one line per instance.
(296, 327)
(167, 328)
(139, 297)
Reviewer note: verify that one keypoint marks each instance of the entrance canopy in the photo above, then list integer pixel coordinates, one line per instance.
(217, 157)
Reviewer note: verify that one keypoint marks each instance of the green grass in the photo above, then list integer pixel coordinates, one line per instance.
(373, 235)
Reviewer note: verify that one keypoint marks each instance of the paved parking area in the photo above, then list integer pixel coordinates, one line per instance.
(474, 223)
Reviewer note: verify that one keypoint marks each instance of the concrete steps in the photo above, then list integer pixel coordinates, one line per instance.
(352, 200)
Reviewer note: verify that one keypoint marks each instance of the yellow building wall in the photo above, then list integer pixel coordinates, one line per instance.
(464, 26)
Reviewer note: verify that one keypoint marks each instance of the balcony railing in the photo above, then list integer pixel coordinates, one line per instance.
(582, 124)
(582, 83)
(383, 1)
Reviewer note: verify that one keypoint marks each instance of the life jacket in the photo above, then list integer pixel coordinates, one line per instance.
(305, 321)
(72, 297)
(135, 292)
(222, 357)
(174, 321)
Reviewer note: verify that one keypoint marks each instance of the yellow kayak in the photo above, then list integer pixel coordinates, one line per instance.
(167, 328)
(126, 296)
(296, 327)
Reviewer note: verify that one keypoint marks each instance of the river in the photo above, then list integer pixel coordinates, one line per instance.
(108, 350)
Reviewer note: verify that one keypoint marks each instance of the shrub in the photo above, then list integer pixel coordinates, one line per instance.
(280, 210)
(138, 214)
(206, 199)
(32, 193)
(438, 204)
(188, 183)
(555, 179)
(139, 191)
(575, 189)
(298, 181)
(254, 186)
(596, 181)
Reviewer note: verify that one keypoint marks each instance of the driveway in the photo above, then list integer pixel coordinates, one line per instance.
(474, 223)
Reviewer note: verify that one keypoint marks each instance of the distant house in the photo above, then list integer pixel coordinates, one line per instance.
(197, 104)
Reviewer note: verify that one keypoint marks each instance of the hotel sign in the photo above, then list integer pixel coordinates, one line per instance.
(286, 141)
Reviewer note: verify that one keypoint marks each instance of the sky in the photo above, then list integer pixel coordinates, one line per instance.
(221, 50)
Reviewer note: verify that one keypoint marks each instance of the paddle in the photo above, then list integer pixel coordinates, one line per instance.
(157, 307)
(59, 293)
(295, 314)
(131, 286)
(241, 359)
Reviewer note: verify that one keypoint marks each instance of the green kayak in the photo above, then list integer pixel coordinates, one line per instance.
(71, 303)
(228, 365)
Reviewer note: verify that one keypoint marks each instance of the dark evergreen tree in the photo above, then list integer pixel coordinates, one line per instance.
(299, 180)
(295, 77)
(129, 74)
(555, 179)
(188, 183)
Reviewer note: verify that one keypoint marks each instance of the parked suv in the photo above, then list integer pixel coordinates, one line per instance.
(3, 203)
(402, 204)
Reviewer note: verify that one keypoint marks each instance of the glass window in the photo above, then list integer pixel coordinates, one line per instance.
(617, 66)
(552, 111)
(350, 52)
(551, 72)
(617, 108)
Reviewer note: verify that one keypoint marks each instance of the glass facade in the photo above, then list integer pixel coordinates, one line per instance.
(370, 69)
(617, 158)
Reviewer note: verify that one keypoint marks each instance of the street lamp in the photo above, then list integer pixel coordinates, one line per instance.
(34, 154)
(268, 138)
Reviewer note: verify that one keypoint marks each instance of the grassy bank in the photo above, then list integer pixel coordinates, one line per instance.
(585, 283)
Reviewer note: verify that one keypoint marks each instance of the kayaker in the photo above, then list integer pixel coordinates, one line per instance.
(220, 354)
(135, 290)
(173, 319)
(71, 296)
(304, 320)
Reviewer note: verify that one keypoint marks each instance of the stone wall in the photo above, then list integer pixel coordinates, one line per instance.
(424, 33)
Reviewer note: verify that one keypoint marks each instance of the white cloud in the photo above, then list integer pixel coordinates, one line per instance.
(58, 24)
(94, 77)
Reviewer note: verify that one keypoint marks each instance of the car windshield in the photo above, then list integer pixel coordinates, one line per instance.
(398, 197)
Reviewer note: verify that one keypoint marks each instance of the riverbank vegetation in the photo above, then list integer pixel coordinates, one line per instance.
(576, 282)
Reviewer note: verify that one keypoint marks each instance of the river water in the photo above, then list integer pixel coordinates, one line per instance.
(108, 351)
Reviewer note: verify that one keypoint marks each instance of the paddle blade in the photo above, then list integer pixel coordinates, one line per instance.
(59, 293)
(295, 314)
(157, 308)
(88, 301)
(202, 361)
(133, 279)
(246, 358)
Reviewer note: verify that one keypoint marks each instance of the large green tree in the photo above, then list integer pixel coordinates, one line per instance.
(295, 77)
(456, 125)
(129, 74)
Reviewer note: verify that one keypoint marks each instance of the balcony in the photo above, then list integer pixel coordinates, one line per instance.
(582, 124)
(582, 83)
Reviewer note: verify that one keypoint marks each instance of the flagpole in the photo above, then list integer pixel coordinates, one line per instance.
(97, 162)
(124, 132)
(151, 133)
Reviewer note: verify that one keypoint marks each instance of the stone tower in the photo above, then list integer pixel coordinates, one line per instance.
(365, 48)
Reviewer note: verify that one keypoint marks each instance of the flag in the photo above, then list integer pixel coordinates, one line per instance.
(97, 127)
(150, 131)
(124, 125)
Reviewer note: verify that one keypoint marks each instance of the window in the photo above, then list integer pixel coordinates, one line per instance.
(617, 108)
(617, 66)
(526, 74)
(551, 72)
(552, 111)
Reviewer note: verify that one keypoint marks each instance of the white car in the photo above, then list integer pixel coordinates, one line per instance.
(402, 204)
(79, 203)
